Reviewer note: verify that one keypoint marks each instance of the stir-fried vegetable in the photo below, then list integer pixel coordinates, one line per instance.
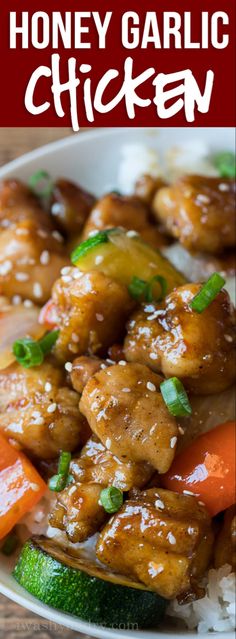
(175, 397)
(41, 183)
(111, 499)
(59, 481)
(30, 353)
(207, 469)
(123, 256)
(21, 486)
(207, 293)
(225, 163)
(141, 290)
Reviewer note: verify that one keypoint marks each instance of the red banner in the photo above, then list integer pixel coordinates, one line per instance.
(120, 64)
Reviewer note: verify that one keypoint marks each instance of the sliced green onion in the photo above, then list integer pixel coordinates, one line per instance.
(10, 544)
(207, 293)
(175, 397)
(30, 353)
(111, 499)
(225, 163)
(48, 341)
(41, 183)
(60, 481)
(87, 245)
(149, 295)
(141, 289)
(137, 287)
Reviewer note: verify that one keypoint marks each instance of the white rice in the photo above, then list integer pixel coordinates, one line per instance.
(137, 159)
(216, 611)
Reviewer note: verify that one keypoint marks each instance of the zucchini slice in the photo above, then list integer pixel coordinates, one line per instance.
(85, 588)
(122, 257)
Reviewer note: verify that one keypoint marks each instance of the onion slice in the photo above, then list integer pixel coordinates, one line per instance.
(16, 322)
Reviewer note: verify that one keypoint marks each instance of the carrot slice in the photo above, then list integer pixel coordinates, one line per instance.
(206, 468)
(21, 486)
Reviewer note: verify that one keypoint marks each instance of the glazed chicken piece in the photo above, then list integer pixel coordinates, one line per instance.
(225, 547)
(18, 203)
(173, 339)
(82, 369)
(78, 510)
(39, 411)
(31, 258)
(125, 409)
(160, 538)
(128, 212)
(147, 186)
(70, 206)
(199, 211)
(91, 310)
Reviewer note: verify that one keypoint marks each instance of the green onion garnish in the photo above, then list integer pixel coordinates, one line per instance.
(207, 293)
(59, 482)
(30, 353)
(175, 397)
(10, 544)
(41, 183)
(141, 289)
(111, 499)
(225, 163)
(87, 245)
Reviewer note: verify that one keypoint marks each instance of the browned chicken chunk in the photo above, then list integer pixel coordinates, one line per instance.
(128, 212)
(18, 203)
(225, 547)
(39, 411)
(70, 205)
(31, 258)
(91, 309)
(78, 510)
(147, 186)
(197, 348)
(199, 211)
(82, 369)
(125, 409)
(160, 538)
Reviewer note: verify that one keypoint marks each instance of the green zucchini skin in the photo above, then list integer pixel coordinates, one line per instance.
(90, 598)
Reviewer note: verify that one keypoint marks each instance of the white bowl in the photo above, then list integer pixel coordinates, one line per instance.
(92, 159)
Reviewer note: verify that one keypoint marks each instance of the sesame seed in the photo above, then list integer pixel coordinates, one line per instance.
(103, 366)
(228, 338)
(201, 503)
(99, 317)
(154, 569)
(44, 257)
(99, 259)
(151, 386)
(153, 356)
(203, 198)
(48, 387)
(5, 267)
(51, 408)
(159, 504)
(108, 443)
(171, 538)
(73, 348)
(42, 233)
(21, 277)
(181, 430)
(37, 290)
(57, 236)
(75, 338)
(76, 274)
(173, 442)
(223, 187)
(132, 233)
(68, 367)
(28, 303)
(122, 362)
(37, 418)
(125, 390)
(21, 231)
(34, 487)
(188, 492)
(65, 270)
(16, 300)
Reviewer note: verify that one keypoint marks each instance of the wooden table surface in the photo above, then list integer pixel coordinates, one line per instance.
(16, 622)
